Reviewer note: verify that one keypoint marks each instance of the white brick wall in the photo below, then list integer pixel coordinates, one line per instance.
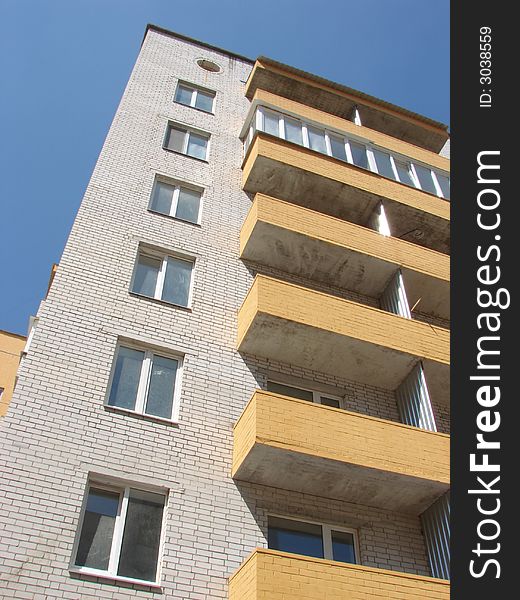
(57, 430)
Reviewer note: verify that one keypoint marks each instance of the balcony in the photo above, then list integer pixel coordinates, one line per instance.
(302, 176)
(273, 575)
(314, 330)
(292, 444)
(304, 242)
(321, 119)
(340, 100)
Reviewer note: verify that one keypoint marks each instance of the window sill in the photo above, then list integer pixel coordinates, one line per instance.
(201, 110)
(155, 212)
(141, 416)
(164, 302)
(203, 160)
(115, 578)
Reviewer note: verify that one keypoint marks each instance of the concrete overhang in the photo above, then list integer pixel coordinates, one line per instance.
(273, 575)
(341, 101)
(304, 242)
(300, 446)
(310, 329)
(290, 172)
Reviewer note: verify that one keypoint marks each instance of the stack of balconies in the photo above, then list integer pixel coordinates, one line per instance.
(310, 217)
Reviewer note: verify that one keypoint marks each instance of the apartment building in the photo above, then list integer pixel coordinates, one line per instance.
(11, 348)
(238, 385)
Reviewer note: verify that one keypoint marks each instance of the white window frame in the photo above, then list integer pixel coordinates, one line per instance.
(178, 185)
(326, 529)
(316, 395)
(194, 92)
(258, 118)
(123, 490)
(187, 131)
(163, 257)
(144, 381)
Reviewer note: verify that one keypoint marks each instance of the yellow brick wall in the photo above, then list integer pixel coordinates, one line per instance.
(394, 145)
(282, 576)
(342, 233)
(325, 166)
(344, 436)
(11, 346)
(344, 317)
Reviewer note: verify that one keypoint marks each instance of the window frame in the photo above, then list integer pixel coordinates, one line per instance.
(177, 185)
(144, 380)
(195, 89)
(326, 529)
(258, 124)
(316, 395)
(163, 256)
(187, 129)
(123, 489)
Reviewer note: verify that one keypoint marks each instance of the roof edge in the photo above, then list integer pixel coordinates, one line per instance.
(186, 38)
(352, 91)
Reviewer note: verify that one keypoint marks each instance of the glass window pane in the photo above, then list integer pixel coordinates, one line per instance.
(97, 530)
(141, 536)
(162, 197)
(197, 145)
(403, 171)
(343, 547)
(177, 281)
(329, 402)
(183, 95)
(176, 139)
(288, 390)
(384, 166)
(359, 155)
(338, 147)
(317, 139)
(125, 381)
(161, 387)
(271, 123)
(145, 279)
(444, 182)
(293, 131)
(204, 101)
(188, 205)
(296, 537)
(425, 179)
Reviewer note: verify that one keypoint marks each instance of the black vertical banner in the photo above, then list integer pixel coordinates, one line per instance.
(485, 329)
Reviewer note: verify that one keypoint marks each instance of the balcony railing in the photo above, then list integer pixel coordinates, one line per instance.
(311, 329)
(322, 248)
(355, 151)
(274, 575)
(297, 445)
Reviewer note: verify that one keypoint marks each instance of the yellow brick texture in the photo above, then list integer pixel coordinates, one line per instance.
(325, 166)
(344, 317)
(334, 434)
(282, 576)
(344, 234)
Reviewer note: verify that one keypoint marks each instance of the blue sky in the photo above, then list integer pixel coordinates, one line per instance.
(64, 65)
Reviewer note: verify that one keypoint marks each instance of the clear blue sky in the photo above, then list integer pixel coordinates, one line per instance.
(64, 65)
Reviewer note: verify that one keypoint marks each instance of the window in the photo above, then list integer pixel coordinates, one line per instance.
(145, 382)
(120, 533)
(312, 539)
(303, 394)
(404, 173)
(186, 141)
(176, 201)
(195, 97)
(163, 277)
